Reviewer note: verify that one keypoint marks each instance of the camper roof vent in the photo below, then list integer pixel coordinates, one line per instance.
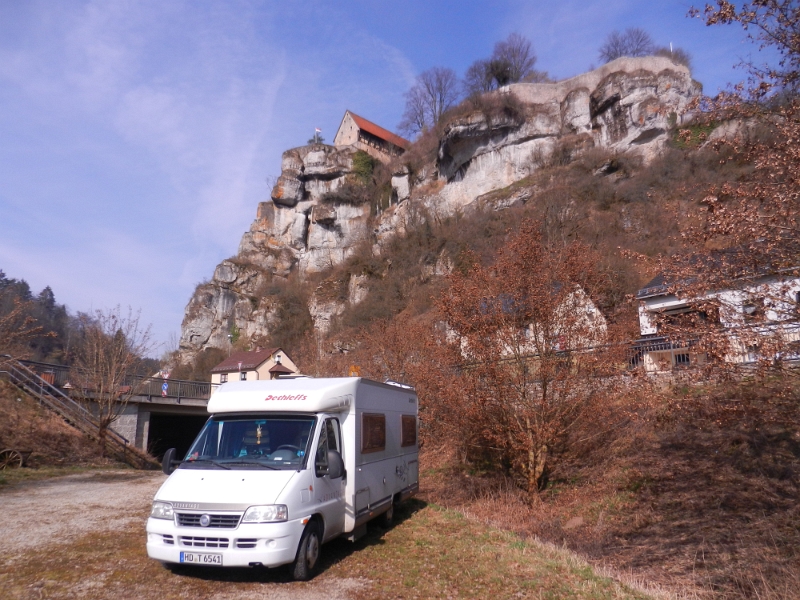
(405, 386)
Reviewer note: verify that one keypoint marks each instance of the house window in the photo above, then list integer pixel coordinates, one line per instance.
(689, 317)
(243, 376)
(373, 433)
(753, 309)
(682, 359)
(408, 430)
(223, 378)
(752, 353)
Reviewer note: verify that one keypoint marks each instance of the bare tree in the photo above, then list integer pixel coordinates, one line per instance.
(435, 91)
(479, 78)
(529, 334)
(512, 61)
(634, 41)
(773, 24)
(109, 351)
(17, 327)
(742, 298)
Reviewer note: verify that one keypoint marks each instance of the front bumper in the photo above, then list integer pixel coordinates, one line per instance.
(268, 544)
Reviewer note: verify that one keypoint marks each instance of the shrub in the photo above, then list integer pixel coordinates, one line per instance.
(291, 320)
(363, 167)
(496, 108)
(200, 368)
(350, 192)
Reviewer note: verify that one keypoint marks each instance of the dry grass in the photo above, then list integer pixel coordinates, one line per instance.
(45, 440)
(699, 496)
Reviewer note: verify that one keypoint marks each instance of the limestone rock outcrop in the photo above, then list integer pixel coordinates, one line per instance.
(627, 105)
(310, 225)
(299, 230)
(232, 301)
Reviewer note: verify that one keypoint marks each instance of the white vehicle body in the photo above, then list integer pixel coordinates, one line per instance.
(246, 493)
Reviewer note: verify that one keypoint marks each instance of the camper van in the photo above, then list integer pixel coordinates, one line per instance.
(283, 466)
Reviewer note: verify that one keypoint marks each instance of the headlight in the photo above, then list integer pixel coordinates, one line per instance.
(266, 514)
(161, 510)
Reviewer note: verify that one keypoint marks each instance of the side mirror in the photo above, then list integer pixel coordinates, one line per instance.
(168, 463)
(335, 464)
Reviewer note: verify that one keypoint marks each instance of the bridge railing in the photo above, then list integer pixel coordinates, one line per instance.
(59, 375)
(175, 388)
(28, 379)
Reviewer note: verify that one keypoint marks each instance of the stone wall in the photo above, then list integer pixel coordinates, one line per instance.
(127, 422)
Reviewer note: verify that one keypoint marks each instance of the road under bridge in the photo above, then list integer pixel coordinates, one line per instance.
(165, 413)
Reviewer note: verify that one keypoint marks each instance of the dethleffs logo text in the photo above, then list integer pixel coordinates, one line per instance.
(285, 397)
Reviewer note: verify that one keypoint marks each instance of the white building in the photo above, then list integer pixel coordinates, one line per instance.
(759, 314)
(256, 365)
(577, 325)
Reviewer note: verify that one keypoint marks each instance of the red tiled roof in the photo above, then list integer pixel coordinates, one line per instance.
(279, 368)
(249, 360)
(379, 131)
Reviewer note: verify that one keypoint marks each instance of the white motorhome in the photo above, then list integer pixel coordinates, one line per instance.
(282, 467)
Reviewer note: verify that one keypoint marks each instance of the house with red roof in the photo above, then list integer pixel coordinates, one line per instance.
(369, 137)
(255, 365)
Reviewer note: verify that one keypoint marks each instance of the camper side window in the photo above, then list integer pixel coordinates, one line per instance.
(329, 439)
(334, 439)
(321, 458)
(373, 433)
(408, 430)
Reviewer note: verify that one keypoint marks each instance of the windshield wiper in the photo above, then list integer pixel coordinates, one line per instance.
(205, 460)
(251, 462)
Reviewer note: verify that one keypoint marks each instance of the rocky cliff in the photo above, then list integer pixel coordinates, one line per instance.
(313, 222)
(628, 105)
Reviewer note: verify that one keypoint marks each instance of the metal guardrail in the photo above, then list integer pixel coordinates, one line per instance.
(176, 388)
(72, 412)
(58, 376)
(679, 351)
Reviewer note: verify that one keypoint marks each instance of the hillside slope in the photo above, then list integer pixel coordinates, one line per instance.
(320, 215)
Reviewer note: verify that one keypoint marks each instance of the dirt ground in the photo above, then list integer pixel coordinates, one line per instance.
(82, 536)
(52, 516)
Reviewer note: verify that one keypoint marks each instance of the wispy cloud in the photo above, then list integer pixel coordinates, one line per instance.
(162, 121)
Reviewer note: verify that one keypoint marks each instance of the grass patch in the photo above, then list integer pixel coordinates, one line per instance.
(438, 553)
(429, 553)
(694, 135)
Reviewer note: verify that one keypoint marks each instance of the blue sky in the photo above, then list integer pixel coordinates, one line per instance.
(137, 137)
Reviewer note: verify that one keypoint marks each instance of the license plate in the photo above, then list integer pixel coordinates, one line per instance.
(201, 558)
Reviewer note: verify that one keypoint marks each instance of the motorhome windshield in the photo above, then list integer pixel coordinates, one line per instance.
(251, 442)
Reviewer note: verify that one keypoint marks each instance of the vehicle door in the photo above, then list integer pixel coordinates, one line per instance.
(329, 493)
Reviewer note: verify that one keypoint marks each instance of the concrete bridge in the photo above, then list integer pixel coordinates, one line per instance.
(165, 413)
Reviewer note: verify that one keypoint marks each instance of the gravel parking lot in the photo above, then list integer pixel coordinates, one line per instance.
(59, 511)
(82, 537)
(56, 517)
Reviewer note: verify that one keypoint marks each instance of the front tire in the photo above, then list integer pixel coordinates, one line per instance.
(307, 560)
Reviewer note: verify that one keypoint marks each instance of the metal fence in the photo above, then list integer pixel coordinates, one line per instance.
(59, 375)
(28, 379)
(678, 352)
